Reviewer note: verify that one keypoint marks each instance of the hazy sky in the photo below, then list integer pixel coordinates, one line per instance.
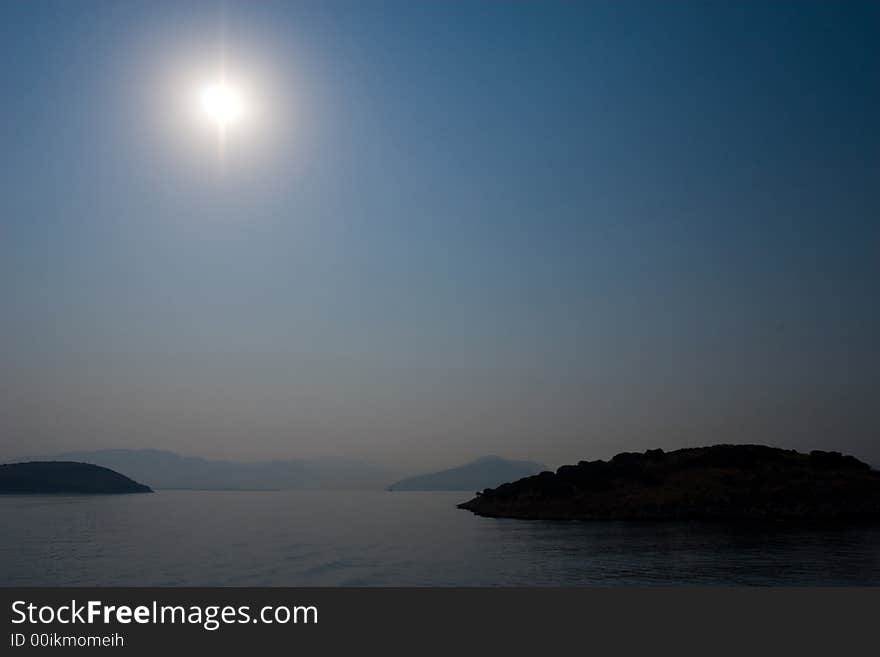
(543, 230)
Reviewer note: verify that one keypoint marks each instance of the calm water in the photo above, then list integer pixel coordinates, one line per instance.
(320, 538)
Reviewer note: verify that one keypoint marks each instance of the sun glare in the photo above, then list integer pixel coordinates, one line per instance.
(222, 104)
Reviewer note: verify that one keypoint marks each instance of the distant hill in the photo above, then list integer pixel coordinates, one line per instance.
(722, 482)
(163, 469)
(483, 473)
(64, 477)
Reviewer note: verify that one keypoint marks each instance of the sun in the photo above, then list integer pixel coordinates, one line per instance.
(222, 103)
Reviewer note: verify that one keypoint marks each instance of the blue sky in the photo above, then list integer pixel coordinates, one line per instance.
(545, 230)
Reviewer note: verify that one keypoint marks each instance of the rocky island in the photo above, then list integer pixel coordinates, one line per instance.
(722, 482)
(65, 477)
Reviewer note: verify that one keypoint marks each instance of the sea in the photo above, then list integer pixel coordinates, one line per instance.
(379, 538)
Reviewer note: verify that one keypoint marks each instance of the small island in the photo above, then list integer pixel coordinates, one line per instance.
(722, 482)
(51, 477)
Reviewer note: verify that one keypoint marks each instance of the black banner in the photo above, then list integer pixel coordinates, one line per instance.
(148, 621)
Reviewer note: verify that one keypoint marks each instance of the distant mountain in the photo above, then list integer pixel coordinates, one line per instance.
(486, 472)
(163, 469)
(721, 482)
(64, 477)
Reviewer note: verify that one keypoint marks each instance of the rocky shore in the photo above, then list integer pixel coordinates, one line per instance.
(722, 482)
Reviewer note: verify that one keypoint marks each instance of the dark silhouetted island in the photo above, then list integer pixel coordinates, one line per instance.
(65, 477)
(723, 482)
(483, 473)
